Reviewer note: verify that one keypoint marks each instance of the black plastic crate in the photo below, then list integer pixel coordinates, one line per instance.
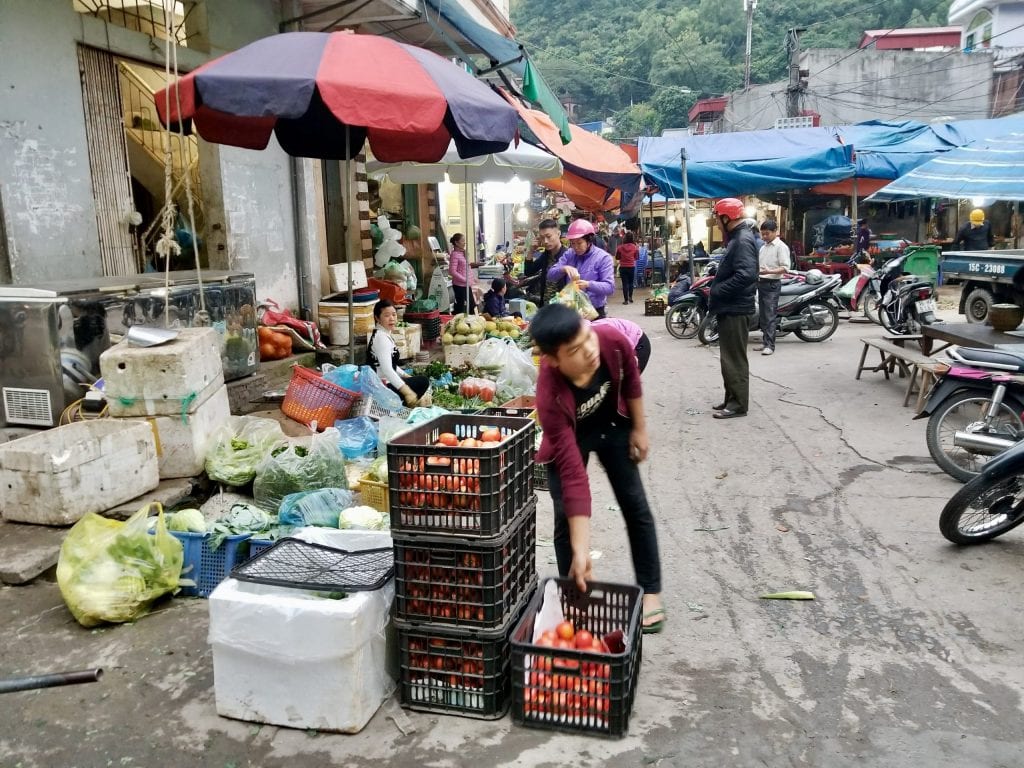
(540, 477)
(461, 673)
(456, 490)
(470, 583)
(573, 690)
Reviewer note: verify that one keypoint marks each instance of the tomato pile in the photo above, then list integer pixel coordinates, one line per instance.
(447, 661)
(445, 592)
(569, 690)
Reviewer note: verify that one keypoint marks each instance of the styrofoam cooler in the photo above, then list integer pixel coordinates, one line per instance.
(181, 443)
(56, 477)
(172, 378)
(286, 657)
(339, 276)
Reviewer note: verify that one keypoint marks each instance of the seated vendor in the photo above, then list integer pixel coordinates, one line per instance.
(494, 304)
(382, 356)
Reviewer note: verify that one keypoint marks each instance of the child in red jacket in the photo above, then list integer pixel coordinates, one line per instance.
(589, 401)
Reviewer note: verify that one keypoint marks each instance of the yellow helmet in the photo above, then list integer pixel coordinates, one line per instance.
(977, 216)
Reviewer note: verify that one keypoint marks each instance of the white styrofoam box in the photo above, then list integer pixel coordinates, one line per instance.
(413, 338)
(56, 477)
(163, 380)
(181, 443)
(349, 539)
(339, 276)
(287, 657)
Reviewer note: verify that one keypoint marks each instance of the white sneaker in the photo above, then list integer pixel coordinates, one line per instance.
(767, 351)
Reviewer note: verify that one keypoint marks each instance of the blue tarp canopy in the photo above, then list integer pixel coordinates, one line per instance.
(728, 164)
(991, 168)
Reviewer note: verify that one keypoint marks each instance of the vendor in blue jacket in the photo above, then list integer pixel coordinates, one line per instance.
(591, 268)
(495, 305)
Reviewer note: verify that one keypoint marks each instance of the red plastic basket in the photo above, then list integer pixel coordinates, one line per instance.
(311, 398)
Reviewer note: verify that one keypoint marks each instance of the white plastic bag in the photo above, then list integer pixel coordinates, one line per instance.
(517, 375)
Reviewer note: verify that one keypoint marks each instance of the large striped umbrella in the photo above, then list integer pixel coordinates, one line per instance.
(323, 94)
(990, 168)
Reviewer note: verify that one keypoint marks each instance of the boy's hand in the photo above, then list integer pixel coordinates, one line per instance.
(638, 445)
(582, 569)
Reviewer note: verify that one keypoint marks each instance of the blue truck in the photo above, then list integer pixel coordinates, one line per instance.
(986, 278)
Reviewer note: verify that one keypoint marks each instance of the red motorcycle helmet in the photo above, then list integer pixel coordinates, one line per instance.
(731, 207)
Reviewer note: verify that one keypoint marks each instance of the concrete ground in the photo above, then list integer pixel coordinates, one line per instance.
(908, 656)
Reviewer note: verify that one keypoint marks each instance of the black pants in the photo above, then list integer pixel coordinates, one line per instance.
(732, 348)
(768, 309)
(612, 449)
(461, 305)
(643, 352)
(602, 312)
(418, 384)
(627, 274)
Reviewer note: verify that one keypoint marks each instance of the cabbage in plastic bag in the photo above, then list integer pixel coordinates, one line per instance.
(321, 508)
(294, 467)
(363, 518)
(238, 447)
(109, 571)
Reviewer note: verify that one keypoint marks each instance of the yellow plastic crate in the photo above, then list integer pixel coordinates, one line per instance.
(375, 495)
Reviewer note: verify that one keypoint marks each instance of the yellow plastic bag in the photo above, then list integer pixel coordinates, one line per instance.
(109, 571)
(573, 297)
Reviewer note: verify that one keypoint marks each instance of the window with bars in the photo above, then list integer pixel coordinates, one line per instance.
(145, 16)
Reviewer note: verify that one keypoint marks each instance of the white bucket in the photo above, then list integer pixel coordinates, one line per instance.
(339, 330)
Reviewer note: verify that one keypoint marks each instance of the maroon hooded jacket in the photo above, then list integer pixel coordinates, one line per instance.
(556, 410)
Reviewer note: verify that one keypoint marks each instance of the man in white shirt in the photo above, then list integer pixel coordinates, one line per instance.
(773, 263)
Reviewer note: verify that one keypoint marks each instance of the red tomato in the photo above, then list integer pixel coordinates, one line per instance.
(492, 435)
(565, 630)
(469, 389)
(469, 442)
(584, 640)
(487, 394)
(447, 438)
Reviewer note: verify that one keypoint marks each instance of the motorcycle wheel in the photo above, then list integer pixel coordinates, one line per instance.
(983, 510)
(831, 323)
(957, 414)
(683, 319)
(869, 305)
(707, 331)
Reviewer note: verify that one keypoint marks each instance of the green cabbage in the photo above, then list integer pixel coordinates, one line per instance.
(363, 518)
(190, 520)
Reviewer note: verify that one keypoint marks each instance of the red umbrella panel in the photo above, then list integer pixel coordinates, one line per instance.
(309, 88)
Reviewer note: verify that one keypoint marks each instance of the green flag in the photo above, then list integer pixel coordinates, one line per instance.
(537, 91)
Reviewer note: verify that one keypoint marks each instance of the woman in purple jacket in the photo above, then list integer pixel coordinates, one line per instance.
(591, 268)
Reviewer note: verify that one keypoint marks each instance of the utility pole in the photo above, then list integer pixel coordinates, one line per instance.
(795, 86)
(748, 7)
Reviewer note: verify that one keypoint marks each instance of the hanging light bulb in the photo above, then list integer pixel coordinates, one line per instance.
(522, 214)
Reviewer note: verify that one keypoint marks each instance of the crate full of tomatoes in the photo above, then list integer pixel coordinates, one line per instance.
(455, 672)
(467, 583)
(460, 475)
(576, 659)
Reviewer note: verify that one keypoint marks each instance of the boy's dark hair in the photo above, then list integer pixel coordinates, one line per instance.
(379, 307)
(553, 326)
(548, 224)
(497, 284)
(769, 225)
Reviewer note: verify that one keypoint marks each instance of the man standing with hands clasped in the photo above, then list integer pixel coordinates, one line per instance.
(773, 263)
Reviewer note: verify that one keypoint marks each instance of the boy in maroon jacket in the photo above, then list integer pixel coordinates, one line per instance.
(589, 401)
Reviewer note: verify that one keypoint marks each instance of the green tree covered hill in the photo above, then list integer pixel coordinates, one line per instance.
(646, 62)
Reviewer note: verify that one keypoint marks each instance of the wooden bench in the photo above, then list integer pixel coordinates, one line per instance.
(922, 370)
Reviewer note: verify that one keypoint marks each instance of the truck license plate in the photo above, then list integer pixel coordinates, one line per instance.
(927, 305)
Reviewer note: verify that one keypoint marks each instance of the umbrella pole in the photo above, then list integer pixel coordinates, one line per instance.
(686, 214)
(854, 215)
(345, 211)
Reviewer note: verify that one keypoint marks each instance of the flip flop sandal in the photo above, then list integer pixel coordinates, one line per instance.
(655, 626)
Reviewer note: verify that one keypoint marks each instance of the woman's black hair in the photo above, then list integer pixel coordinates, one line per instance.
(379, 307)
(455, 237)
(497, 284)
(553, 326)
(629, 238)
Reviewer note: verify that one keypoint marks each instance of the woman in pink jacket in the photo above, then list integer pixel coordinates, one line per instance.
(462, 278)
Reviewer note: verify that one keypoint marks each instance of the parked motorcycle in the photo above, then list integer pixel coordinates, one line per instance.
(907, 302)
(989, 505)
(806, 308)
(866, 294)
(975, 410)
(685, 313)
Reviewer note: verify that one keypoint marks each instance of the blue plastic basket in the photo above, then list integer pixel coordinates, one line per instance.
(206, 566)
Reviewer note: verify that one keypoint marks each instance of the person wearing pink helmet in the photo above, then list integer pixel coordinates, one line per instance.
(590, 267)
(732, 302)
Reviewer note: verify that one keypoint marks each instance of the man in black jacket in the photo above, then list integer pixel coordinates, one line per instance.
(732, 302)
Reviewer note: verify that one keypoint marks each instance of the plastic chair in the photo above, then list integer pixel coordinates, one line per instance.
(658, 270)
(640, 274)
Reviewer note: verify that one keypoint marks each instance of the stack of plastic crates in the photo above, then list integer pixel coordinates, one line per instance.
(463, 521)
(431, 323)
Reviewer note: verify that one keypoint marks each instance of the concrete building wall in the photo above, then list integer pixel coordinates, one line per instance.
(46, 191)
(874, 85)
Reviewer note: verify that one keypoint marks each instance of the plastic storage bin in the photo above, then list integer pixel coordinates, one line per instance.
(57, 476)
(466, 583)
(923, 261)
(207, 566)
(468, 492)
(310, 398)
(577, 691)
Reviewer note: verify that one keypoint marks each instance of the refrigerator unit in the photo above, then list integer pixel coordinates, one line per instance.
(52, 335)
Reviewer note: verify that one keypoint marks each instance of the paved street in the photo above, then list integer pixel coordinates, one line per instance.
(908, 657)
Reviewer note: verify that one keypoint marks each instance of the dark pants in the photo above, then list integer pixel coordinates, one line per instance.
(612, 449)
(643, 352)
(627, 274)
(768, 309)
(602, 312)
(732, 349)
(461, 305)
(418, 384)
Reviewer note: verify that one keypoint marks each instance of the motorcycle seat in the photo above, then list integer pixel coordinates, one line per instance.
(987, 357)
(796, 289)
